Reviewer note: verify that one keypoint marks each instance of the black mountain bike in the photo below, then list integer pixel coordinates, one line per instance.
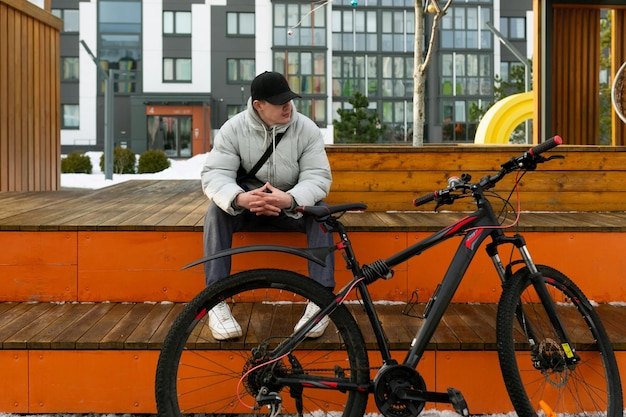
(554, 353)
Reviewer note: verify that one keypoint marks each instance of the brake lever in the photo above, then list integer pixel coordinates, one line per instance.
(554, 157)
(444, 198)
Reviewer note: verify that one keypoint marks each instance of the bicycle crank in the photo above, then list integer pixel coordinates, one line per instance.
(400, 391)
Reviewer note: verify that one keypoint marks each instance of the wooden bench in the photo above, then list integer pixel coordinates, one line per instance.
(588, 179)
(91, 280)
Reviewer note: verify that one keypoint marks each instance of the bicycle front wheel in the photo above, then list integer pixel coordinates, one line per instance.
(537, 368)
(197, 374)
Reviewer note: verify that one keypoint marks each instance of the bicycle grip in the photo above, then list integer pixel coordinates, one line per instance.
(424, 199)
(547, 145)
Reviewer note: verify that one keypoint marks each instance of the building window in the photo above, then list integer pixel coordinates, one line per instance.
(177, 69)
(240, 69)
(176, 23)
(466, 69)
(465, 28)
(455, 126)
(305, 72)
(239, 24)
(233, 109)
(397, 76)
(508, 70)
(301, 30)
(466, 74)
(299, 25)
(69, 68)
(353, 74)
(398, 31)
(355, 30)
(70, 17)
(70, 116)
(513, 28)
(373, 55)
(119, 44)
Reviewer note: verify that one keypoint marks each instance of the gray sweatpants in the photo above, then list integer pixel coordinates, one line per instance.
(219, 227)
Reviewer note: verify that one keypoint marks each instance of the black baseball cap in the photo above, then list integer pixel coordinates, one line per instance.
(272, 87)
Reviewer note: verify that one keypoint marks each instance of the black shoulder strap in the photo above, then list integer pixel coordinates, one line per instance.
(264, 157)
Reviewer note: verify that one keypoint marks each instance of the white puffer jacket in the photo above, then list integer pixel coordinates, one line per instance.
(298, 165)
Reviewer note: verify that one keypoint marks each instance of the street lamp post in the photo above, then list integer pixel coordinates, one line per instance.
(108, 114)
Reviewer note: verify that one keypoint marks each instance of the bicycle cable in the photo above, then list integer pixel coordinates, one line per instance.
(518, 211)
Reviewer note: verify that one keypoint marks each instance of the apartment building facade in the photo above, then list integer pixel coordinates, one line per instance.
(179, 68)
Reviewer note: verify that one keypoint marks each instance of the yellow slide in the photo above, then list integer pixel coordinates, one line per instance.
(503, 117)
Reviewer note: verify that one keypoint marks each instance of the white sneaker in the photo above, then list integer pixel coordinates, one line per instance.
(318, 329)
(222, 323)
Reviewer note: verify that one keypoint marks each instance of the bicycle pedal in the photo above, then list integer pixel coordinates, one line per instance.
(458, 402)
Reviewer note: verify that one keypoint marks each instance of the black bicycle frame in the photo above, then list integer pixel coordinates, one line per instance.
(474, 228)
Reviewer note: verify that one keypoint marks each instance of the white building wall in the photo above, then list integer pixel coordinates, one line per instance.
(86, 134)
(263, 22)
(152, 54)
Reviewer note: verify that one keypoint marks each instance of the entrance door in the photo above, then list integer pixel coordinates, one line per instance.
(171, 134)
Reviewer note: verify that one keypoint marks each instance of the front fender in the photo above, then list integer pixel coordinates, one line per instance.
(317, 255)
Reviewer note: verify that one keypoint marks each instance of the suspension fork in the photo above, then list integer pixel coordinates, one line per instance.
(538, 281)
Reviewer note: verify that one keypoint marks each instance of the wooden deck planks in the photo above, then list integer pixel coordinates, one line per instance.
(180, 205)
(141, 326)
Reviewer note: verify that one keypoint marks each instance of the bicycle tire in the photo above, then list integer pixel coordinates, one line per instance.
(592, 387)
(262, 301)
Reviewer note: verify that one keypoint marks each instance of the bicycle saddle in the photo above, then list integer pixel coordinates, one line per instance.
(322, 211)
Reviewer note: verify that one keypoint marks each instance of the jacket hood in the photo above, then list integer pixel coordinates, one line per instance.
(257, 124)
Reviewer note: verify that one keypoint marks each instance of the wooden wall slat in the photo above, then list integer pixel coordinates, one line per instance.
(576, 60)
(11, 99)
(29, 98)
(4, 116)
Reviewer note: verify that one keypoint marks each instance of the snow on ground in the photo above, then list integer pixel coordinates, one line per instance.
(426, 413)
(187, 169)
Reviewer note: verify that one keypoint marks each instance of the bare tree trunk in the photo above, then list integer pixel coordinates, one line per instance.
(419, 76)
(421, 61)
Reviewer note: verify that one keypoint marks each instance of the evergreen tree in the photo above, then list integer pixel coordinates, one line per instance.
(358, 125)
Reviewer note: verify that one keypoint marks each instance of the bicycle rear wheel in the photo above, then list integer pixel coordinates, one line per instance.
(198, 375)
(537, 372)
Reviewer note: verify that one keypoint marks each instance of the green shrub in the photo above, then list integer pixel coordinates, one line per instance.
(124, 161)
(76, 163)
(152, 161)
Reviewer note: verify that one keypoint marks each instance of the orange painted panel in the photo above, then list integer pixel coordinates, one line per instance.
(594, 261)
(14, 381)
(42, 283)
(38, 266)
(138, 266)
(92, 381)
(587, 258)
(147, 265)
(123, 381)
(38, 248)
(477, 375)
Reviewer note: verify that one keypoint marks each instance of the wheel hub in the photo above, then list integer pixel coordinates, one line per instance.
(550, 359)
(258, 377)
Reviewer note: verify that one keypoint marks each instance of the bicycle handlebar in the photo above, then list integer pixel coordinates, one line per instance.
(528, 160)
(546, 146)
